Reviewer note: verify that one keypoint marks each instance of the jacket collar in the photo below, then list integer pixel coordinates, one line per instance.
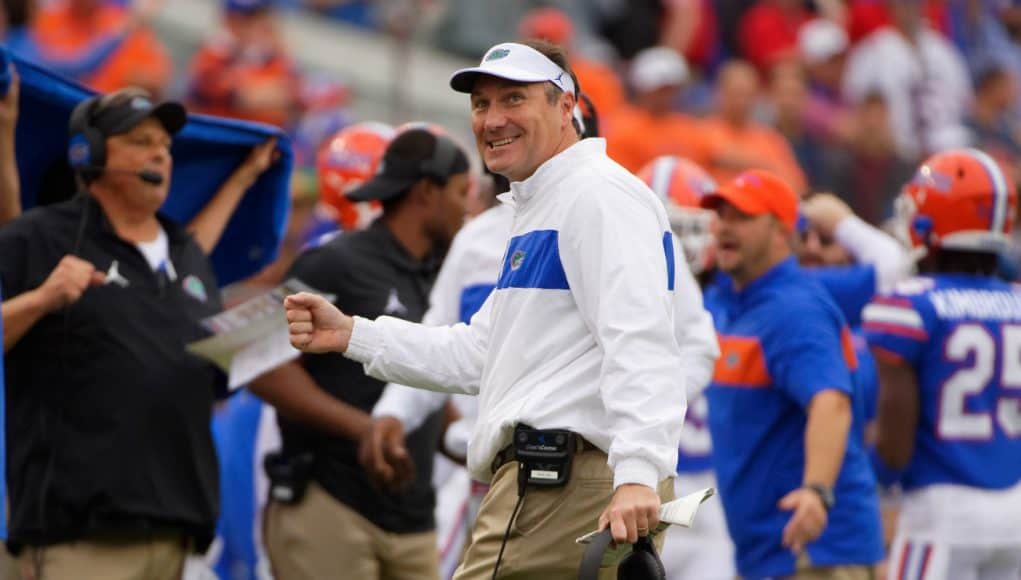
(552, 171)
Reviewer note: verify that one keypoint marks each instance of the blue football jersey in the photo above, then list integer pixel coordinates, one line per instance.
(962, 336)
(782, 341)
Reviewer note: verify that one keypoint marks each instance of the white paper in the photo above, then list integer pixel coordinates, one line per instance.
(268, 352)
(252, 337)
(679, 512)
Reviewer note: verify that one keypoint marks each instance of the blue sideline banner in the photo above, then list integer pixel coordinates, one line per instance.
(205, 152)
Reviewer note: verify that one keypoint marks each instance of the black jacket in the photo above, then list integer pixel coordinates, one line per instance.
(371, 275)
(108, 415)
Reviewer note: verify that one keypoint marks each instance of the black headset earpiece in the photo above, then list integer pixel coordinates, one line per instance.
(641, 563)
(86, 149)
(442, 161)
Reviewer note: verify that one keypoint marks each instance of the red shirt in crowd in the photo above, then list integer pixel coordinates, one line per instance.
(768, 33)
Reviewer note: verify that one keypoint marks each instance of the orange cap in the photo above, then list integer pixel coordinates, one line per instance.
(756, 192)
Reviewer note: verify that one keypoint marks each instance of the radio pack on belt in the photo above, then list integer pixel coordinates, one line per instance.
(543, 455)
(288, 475)
(544, 460)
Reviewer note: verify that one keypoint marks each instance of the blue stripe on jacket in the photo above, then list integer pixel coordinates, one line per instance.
(533, 261)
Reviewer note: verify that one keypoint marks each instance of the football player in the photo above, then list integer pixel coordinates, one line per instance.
(948, 345)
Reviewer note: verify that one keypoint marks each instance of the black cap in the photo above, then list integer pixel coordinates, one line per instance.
(122, 111)
(412, 155)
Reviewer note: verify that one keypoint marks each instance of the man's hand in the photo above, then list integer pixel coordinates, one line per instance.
(633, 511)
(316, 325)
(67, 282)
(259, 159)
(825, 211)
(384, 456)
(809, 519)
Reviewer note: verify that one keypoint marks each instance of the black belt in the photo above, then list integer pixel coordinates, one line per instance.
(508, 454)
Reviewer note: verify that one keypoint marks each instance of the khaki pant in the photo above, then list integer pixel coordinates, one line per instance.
(158, 559)
(10, 567)
(321, 538)
(541, 542)
(806, 571)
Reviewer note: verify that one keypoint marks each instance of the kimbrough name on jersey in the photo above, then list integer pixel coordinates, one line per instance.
(984, 304)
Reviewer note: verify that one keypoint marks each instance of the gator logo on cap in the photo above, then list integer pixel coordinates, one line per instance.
(497, 54)
(140, 103)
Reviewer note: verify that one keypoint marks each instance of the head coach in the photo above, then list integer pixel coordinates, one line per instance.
(573, 356)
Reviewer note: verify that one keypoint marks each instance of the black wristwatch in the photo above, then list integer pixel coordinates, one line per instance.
(825, 494)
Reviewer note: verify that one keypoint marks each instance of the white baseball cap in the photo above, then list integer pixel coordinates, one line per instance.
(657, 67)
(514, 62)
(821, 39)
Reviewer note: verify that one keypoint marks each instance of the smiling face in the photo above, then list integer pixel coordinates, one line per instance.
(517, 127)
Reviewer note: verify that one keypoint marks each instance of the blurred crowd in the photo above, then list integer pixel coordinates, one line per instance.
(841, 96)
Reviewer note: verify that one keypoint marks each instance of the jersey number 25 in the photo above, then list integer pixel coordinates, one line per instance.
(974, 340)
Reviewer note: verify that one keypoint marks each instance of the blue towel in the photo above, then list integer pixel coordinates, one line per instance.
(205, 153)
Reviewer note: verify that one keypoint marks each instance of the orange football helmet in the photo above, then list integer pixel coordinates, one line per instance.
(680, 185)
(345, 161)
(960, 200)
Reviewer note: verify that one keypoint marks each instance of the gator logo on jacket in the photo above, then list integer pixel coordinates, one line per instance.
(517, 259)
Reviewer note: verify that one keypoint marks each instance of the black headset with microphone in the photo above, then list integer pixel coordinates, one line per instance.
(641, 563)
(86, 150)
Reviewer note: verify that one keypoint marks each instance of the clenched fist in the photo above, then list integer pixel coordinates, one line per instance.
(315, 325)
(67, 282)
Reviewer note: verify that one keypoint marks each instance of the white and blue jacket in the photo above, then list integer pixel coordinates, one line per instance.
(579, 333)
